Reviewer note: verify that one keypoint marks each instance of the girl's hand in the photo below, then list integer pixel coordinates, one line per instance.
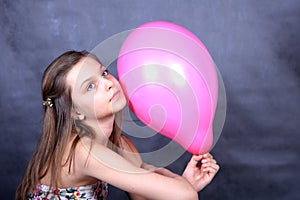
(200, 175)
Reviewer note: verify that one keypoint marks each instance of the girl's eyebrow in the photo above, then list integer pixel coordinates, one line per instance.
(88, 80)
(102, 68)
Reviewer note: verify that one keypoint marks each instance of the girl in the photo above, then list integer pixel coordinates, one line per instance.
(81, 148)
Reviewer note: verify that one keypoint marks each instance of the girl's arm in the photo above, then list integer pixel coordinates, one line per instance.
(131, 154)
(199, 171)
(114, 169)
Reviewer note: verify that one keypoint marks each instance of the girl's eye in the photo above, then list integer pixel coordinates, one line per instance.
(105, 73)
(91, 87)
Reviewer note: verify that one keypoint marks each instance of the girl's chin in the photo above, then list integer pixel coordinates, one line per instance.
(119, 105)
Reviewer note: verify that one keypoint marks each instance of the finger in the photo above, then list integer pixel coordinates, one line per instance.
(195, 159)
(214, 167)
(211, 169)
(207, 155)
(208, 163)
(208, 160)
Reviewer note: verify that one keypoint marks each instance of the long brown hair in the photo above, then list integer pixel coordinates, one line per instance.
(58, 125)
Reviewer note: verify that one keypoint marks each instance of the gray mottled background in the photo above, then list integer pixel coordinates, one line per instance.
(254, 43)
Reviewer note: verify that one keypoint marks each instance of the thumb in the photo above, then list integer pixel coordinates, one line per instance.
(195, 159)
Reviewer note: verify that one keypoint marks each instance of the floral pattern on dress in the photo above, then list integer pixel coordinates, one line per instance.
(98, 191)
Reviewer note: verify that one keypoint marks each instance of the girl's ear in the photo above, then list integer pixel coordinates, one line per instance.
(77, 115)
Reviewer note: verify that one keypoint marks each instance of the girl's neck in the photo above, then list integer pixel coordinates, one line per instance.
(102, 129)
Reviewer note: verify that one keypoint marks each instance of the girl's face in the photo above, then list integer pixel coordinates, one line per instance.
(96, 94)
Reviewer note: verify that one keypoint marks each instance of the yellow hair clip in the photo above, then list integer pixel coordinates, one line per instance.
(48, 102)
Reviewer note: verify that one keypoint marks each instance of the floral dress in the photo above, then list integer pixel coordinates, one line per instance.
(97, 191)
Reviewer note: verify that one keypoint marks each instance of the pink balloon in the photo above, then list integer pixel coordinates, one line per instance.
(171, 83)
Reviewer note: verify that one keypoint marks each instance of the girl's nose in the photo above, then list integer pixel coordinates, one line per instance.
(107, 83)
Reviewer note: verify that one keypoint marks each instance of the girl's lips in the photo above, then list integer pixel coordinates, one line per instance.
(115, 96)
